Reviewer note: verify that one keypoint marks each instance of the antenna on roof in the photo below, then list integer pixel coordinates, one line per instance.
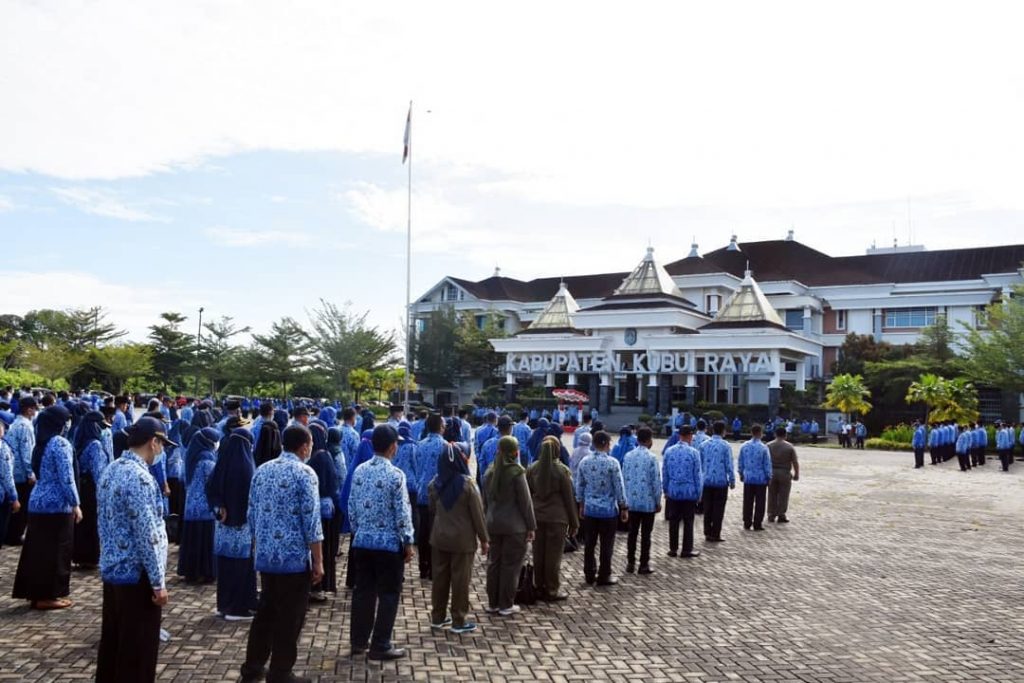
(497, 272)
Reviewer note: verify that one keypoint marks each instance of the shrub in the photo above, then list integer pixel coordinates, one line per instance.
(514, 409)
(901, 433)
(887, 445)
(645, 419)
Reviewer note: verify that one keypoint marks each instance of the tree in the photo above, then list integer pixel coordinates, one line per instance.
(344, 341)
(936, 342)
(475, 355)
(995, 353)
(360, 380)
(961, 402)
(216, 354)
(929, 390)
(848, 394)
(122, 362)
(284, 352)
(395, 381)
(172, 350)
(87, 328)
(56, 363)
(436, 353)
(46, 327)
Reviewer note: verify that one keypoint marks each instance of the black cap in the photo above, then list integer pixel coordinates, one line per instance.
(148, 427)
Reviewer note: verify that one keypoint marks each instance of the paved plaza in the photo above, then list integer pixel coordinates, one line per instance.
(886, 573)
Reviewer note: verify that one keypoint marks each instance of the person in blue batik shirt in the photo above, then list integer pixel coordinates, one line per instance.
(44, 568)
(917, 442)
(487, 431)
(642, 480)
(427, 453)
(9, 502)
(327, 486)
(602, 500)
(755, 469)
(284, 515)
(227, 493)
(486, 454)
(963, 448)
(195, 553)
(719, 477)
(542, 430)
(21, 438)
(133, 558)
(626, 443)
(382, 545)
(407, 460)
(683, 483)
(92, 460)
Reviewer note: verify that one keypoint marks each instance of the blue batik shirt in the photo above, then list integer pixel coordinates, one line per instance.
(485, 456)
(378, 507)
(599, 486)
(197, 507)
(980, 437)
(427, 453)
(681, 473)
(716, 461)
(642, 480)
(93, 460)
(406, 460)
(486, 432)
(107, 439)
(284, 515)
(55, 492)
(176, 463)
(585, 429)
(963, 442)
(8, 492)
(133, 539)
(416, 429)
(232, 541)
(349, 442)
(755, 463)
(699, 439)
(21, 437)
(119, 422)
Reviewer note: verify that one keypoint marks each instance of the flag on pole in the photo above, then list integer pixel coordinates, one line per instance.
(408, 134)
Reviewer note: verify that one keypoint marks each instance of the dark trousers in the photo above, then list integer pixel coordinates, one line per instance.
(424, 522)
(1005, 458)
(274, 633)
(964, 460)
(935, 455)
(680, 511)
(598, 529)
(753, 503)
(18, 521)
(919, 457)
(379, 576)
(715, 498)
(640, 523)
(130, 634)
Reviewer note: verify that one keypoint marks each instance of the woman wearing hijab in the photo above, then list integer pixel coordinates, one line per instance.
(327, 480)
(176, 465)
(581, 451)
(626, 443)
(368, 421)
(268, 445)
(280, 419)
(542, 429)
(227, 492)
(195, 554)
(554, 505)
(458, 513)
(556, 431)
(92, 459)
(44, 568)
(510, 525)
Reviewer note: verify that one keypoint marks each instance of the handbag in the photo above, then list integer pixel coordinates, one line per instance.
(526, 594)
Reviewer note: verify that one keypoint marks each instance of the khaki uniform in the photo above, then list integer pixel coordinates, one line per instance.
(783, 459)
(453, 541)
(556, 513)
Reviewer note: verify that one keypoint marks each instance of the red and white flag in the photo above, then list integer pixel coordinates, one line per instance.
(408, 134)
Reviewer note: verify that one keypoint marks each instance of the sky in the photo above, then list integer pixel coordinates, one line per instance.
(245, 156)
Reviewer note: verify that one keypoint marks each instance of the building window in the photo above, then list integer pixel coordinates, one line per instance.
(481, 320)
(501, 324)
(795, 319)
(451, 293)
(981, 317)
(712, 302)
(909, 317)
(789, 367)
(840, 320)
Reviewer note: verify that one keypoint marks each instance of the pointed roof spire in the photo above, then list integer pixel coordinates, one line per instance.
(747, 307)
(733, 244)
(648, 278)
(558, 314)
(693, 249)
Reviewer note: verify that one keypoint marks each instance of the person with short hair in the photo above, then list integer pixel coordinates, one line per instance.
(487, 431)
(428, 451)
(683, 483)
(642, 480)
(785, 470)
(21, 438)
(719, 477)
(284, 515)
(382, 543)
(511, 524)
(486, 454)
(133, 558)
(917, 442)
(754, 466)
(601, 496)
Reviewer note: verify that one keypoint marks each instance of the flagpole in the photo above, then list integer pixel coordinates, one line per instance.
(408, 270)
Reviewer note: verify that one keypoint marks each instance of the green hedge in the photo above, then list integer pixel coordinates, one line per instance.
(887, 445)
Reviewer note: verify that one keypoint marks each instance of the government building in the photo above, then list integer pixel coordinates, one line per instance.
(729, 326)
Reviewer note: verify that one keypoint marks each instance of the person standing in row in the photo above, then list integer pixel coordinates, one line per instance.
(683, 484)
(755, 470)
(382, 544)
(21, 438)
(428, 451)
(284, 515)
(511, 524)
(554, 507)
(917, 442)
(642, 482)
(963, 445)
(601, 496)
(719, 477)
(785, 470)
(327, 485)
(133, 558)
(92, 459)
(195, 552)
(9, 502)
(459, 525)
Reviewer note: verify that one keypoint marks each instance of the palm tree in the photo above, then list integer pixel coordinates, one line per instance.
(930, 390)
(848, 394)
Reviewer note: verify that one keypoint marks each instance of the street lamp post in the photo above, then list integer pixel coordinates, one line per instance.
(199, 344)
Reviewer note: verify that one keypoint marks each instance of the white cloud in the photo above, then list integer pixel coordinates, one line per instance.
(434, 216)
(6, 203)
(104, 203)
(239, 237)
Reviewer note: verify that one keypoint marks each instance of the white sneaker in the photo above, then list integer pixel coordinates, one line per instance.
(236, 617)
(491, 610)
(514, 609)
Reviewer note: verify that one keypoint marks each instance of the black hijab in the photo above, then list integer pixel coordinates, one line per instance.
(228, 486)
(452, 471)
(268, 446)
(50, 423)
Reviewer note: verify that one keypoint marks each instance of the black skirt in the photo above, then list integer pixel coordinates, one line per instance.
(236, 586)
(44, 568)
(176, 502)
(87, 538)
(195, 554)
(330, 553)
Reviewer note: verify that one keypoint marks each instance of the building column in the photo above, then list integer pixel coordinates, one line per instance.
(549, 380)
(592, 391)
(510, 388)
(876, 324)
(665, 394)
(572, 380)
(604, 403)
(652, 394)
(801, 375)
(807, 320)
(691, 380)
(775, 384)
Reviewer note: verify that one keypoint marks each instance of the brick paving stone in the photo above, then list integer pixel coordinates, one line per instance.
(885, 574)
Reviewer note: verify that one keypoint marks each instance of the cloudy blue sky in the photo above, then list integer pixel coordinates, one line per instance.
(245, 156)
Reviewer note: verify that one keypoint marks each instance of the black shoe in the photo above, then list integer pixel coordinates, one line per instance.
(253, 677)
(671, 553)
(747, 525)
(630, 568)
(783, 519)
(692, 553)
(610, 581)
(558, 597)
(718, 539)
(589, 579)
(358, 650)
(771, 519)
(758, 528)
(645, 569)
(387, 655)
